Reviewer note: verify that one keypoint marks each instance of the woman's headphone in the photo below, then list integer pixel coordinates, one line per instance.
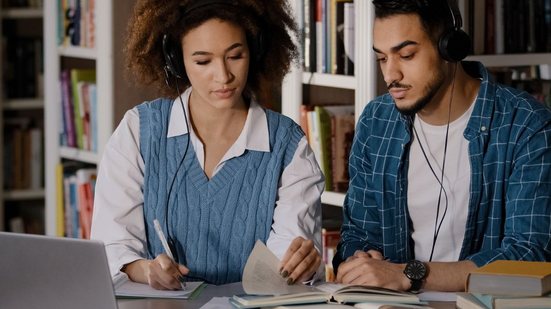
(174, 62)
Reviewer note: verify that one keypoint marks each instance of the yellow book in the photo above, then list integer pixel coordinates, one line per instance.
(512, 278)
(59, 211)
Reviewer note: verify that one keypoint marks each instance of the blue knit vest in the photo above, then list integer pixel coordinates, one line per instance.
(215, 222)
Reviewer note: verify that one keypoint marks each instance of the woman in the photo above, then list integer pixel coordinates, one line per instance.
(211, 165)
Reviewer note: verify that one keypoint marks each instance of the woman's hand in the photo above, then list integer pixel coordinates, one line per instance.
(162, 273)
(300, 262)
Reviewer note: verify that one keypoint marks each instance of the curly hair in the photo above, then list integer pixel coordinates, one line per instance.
(434, 14)
(151, 19)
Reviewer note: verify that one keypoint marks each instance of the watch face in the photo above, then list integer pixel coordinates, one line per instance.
(415, 270)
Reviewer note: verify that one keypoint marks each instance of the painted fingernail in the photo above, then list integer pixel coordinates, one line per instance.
(290, 281)
(284, 274)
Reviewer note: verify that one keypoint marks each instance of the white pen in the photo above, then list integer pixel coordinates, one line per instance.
(162, 237)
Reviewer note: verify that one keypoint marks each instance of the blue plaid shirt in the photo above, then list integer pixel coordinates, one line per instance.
(509, 215)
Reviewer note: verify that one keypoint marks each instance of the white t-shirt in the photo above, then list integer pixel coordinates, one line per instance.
(424, 188)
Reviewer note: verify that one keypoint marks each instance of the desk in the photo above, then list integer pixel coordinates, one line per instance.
(206, 295)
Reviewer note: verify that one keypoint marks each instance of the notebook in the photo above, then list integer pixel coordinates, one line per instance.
(52, 272)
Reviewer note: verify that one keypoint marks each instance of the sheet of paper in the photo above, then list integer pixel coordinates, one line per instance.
(218, 303)
(261, 275)
(130, 288)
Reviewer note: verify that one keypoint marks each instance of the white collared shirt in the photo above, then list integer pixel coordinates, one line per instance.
(118, 207)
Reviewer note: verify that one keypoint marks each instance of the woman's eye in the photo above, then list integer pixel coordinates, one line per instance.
(235, 57)
(202, 62)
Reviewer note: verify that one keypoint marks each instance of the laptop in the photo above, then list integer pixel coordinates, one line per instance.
(53, 272)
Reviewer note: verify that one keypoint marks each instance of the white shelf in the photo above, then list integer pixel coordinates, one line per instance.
(511, 60)
(115, 94)
(77, 52)
(78, 155)
(333, 198)
(329, 80)
(20, 13)
(21, 195)
(21, 104)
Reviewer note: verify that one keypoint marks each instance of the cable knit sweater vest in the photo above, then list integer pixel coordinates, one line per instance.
(215, 222)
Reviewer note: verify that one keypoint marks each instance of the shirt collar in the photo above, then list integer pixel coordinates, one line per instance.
(254, 135)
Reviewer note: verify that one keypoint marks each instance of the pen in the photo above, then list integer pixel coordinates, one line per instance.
(168, 252)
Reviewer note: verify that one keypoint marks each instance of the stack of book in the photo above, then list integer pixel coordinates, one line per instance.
(508, 284)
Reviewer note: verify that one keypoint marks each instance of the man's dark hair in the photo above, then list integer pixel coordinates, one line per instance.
(435, 15)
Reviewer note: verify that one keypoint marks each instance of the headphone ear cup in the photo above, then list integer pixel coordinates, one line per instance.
(454, 45)
(174, 61)
(256, 48)
(260, 49)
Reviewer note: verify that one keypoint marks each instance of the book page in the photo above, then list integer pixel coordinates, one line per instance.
(261, 275)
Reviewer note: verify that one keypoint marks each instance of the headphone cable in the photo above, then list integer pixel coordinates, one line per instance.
(170, 240)
(438, 225)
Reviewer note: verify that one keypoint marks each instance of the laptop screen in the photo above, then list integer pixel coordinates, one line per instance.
(52, 272)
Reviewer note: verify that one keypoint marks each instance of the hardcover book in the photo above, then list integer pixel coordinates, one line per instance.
(511, 278)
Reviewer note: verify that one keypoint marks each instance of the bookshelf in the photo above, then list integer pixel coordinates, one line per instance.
(115, 93)
(21, 118)
(364, 83)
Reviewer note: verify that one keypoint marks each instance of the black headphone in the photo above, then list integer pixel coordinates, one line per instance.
(454, 44)
(172, 52)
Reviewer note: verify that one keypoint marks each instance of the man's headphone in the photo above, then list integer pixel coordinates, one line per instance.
(454, 44)
(174, 62)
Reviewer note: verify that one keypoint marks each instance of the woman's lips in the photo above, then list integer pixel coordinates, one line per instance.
(224, 93)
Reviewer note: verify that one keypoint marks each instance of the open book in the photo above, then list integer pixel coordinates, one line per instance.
(265, 287)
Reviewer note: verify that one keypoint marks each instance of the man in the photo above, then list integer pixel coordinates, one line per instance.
(449, 170)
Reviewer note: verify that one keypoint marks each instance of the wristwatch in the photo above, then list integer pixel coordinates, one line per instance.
(416, 271)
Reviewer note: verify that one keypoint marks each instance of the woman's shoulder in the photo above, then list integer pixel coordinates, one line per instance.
(281, 120)
(155, 104)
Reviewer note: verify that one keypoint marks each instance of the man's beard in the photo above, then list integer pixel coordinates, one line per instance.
(430, 91)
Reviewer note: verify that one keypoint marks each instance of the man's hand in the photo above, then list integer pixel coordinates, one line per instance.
(370, 268)
(300, 262)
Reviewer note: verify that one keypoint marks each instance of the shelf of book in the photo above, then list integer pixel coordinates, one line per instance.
(21, 120)
(329, 80)
(298, 99)
(18, 195)
(21, 13)
(22, 104)
(77, 52)
(92, 66)
(80, 155)
(511, 60)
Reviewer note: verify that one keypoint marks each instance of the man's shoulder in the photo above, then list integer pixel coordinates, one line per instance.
(523, 104)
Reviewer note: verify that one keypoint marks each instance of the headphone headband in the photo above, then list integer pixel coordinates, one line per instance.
(195, 5)
(456, 17)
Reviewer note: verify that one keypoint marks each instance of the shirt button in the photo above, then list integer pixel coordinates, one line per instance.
(483, 128)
